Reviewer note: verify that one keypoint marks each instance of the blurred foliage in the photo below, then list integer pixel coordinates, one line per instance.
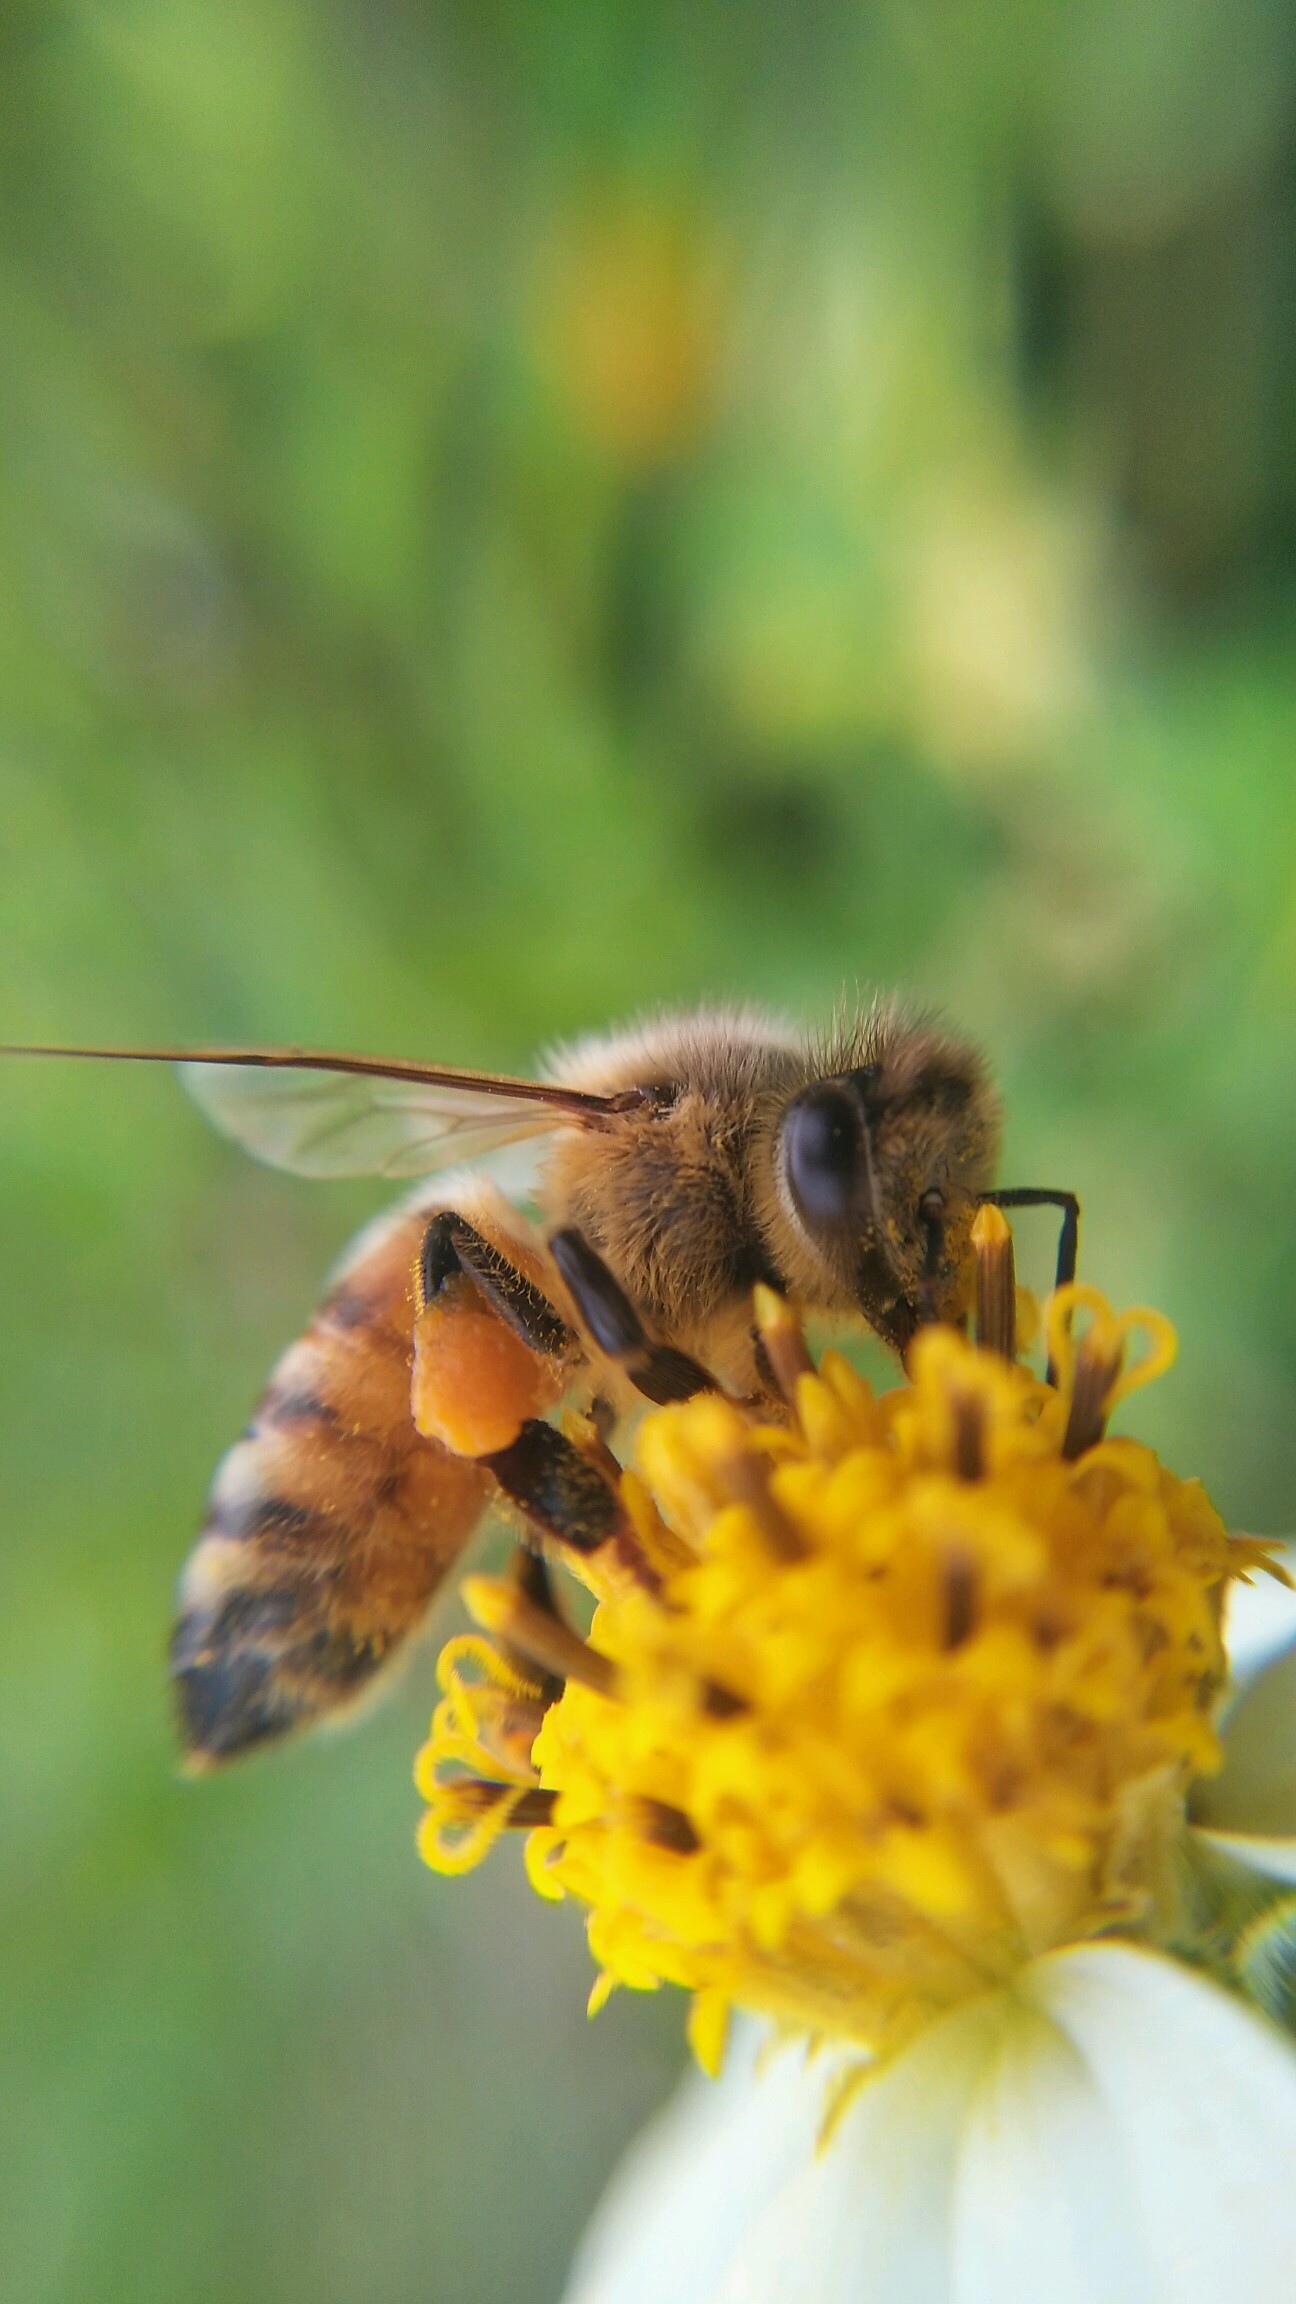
(512, 514)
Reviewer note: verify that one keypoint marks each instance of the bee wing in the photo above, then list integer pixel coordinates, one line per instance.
(325, 1123)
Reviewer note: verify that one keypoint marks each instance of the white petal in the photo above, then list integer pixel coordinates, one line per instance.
(1044, 2204)
(1116, 2131)
(1261, 1619)
(687, 2191)
(1265, 1852)
(1255, 1790)
(1201, 2095)
(870, 2221)
(982, 2168)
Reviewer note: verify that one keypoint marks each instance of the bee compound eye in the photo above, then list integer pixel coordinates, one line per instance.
(821, 1137)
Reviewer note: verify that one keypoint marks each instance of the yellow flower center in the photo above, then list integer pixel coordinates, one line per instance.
(912, 1693)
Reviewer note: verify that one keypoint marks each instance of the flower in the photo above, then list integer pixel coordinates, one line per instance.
(899, 1725)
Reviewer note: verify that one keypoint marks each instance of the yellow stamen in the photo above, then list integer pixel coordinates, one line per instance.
(996, 1282)
(781, 1334)
(1091, 1374)
(536, 1631)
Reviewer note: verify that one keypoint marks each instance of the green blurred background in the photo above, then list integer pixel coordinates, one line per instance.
(509, 514)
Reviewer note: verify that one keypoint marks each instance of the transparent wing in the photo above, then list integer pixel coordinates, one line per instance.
(342, 1124)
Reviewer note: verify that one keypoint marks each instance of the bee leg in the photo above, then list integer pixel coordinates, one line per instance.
(1028, 1196)
(558, 1490)
(561, 1493)
(452, 1245)
(657, 1370)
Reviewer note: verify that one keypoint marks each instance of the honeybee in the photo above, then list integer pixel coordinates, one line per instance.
(680, 1162)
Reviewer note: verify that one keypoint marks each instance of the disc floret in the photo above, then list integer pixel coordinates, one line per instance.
(910, 1692)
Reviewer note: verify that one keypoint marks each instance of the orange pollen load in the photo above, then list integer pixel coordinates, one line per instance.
(475, 1383)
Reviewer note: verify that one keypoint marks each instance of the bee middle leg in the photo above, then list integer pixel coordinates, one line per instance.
(657, 1370)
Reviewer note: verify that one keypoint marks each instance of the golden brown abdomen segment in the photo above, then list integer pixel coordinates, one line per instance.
(330, 1523)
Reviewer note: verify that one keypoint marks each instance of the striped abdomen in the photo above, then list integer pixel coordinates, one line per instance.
(330, 1524)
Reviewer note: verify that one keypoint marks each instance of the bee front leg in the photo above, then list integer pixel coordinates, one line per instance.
(657, 1370)
(1037, 1196)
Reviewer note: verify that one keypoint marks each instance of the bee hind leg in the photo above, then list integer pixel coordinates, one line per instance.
(451, 1245)
(560, 1493)
(490, 1350)
(657, 1370)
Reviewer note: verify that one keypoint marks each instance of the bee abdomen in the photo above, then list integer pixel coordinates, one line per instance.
(329, 1527)
(257, 1665)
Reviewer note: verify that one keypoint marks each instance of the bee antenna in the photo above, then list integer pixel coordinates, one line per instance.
(582, 1103)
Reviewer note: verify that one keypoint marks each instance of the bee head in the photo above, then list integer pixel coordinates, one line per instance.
(882, 1163)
